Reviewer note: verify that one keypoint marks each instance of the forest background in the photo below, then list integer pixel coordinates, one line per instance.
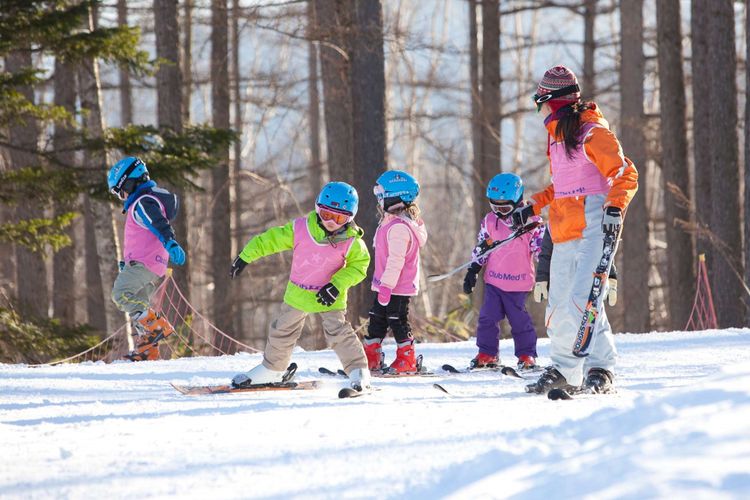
(246, 109)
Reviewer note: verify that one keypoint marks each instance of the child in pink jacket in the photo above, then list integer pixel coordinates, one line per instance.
(509, 276)
(397, 241)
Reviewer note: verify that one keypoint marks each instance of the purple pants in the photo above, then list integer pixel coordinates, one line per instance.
(498, 305)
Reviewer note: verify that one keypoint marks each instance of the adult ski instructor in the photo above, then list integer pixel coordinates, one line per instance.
(592, 185)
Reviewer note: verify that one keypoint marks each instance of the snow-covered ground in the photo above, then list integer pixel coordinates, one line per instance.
(679, 427)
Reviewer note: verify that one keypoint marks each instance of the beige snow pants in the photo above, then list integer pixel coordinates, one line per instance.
(287, 327)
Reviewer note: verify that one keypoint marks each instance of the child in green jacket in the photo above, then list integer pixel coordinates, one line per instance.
(329, 257)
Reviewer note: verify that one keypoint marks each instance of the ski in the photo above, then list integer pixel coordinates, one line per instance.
(197, 390)
(331, 373)
(383, 373)
(494, 246)
(505, 370)
(559, 393)
(591, 312)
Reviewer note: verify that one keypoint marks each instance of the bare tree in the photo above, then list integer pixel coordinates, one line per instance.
(747, 157)
(101, 214)
(726, 271)
(316, 162)
(333, 18)
(368, 120)
(126, 88)
(221, 243)
(589, 48)
(31, 273)
(674, 158)
(636, 233)
(63, 301)
(701, 109)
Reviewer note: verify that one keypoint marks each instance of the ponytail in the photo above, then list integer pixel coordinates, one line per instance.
(569, 123)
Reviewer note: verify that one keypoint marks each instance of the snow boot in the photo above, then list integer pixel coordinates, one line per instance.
(145, 350)
(526, 363)
(406, 360)
(599, 381)
(550, 379)
(258, 376)
(359, 378)
(374, 353)
(483, 360)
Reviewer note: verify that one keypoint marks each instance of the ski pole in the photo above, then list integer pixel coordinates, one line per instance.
(495, 245)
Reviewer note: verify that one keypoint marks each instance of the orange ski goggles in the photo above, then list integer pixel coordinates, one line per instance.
(329, 214)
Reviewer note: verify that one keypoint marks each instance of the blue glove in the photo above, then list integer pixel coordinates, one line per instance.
(176, 253)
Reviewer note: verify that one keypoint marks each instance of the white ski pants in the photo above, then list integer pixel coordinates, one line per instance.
(571, 276)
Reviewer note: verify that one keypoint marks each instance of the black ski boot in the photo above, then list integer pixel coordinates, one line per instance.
(599, 381)
(550, 379)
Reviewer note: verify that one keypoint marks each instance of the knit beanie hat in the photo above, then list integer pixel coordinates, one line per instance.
(557, 78)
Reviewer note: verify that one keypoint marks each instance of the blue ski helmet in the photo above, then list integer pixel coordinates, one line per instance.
(505, 186)
(125, 175)
(339, 196)
(396, 184)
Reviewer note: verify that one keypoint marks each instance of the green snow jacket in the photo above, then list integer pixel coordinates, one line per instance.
(281, 238)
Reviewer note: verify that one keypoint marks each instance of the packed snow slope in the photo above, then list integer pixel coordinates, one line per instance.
(679, 427)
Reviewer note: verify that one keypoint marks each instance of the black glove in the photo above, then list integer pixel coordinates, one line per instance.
(612, 220)
(327, 295)
(521, 216)
(237, 266)
(470, 281)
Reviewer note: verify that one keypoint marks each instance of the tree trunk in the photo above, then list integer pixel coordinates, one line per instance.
(725, 182)
(102, 215)
(169, 115)
(589, 49)
(674, 160)
(221, 251)
(126, 88)
(187, 58)
(490, 93)
(635, 269)
(747, 158)
(63, 301)
(476, 117)
(238, 209)
(31, 273)
(334, 19)
(368, 119)
(701, 108)
(316, 165)
(96, 298)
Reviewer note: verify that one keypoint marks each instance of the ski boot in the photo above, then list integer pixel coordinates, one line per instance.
(550, 379)
(406, 360)
(483, 360)
(526, 363)
(374, 353)
(359, 379)
(150, 328)
(260, 375)
(599, 381)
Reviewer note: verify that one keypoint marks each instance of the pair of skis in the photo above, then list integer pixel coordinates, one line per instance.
(493, 247)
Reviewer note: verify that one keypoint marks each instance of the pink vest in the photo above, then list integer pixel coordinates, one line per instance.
(509, 268)
(576, 175)
(142, 245)
(313, 263)
(408, 280)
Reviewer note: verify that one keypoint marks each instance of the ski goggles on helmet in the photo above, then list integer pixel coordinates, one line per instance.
(502, 207)
(117, 188)
(541, 99)
(328, 214)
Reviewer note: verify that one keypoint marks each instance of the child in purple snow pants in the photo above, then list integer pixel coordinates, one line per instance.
(509, 275)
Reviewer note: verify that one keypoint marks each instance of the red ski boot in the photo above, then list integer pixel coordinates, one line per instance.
(526, 363)
(483, 360)
(374, 353)
(406, 360)
(151, 327)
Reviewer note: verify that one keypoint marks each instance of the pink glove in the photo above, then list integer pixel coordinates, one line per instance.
(384, 295)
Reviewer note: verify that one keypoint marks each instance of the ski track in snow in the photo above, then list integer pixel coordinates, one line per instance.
(679, 427)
